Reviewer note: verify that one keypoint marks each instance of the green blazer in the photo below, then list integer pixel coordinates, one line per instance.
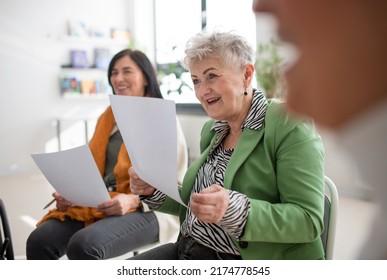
(280, 168)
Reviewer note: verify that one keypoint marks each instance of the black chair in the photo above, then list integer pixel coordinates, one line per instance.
(6, 248)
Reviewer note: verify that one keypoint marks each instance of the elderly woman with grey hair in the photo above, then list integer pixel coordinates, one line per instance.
(256, 190)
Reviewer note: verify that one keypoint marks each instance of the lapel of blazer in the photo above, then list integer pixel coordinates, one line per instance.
(246, 144)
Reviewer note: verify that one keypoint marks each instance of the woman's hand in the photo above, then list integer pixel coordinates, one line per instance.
(119, 205)
(138, 186)
(210, 204)
(61, 203)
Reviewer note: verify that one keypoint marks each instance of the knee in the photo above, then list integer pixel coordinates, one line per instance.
(36, 244)
(33, 241)
(79, 248)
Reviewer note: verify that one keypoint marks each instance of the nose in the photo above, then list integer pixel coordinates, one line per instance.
(117, 77)
(203, 89)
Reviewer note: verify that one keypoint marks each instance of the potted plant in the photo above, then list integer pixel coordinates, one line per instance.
(268, 70)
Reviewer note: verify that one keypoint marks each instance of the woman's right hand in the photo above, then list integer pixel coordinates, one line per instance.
(138, 186)
(61, 203)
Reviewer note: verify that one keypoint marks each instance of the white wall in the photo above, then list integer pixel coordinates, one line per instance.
(31, 53)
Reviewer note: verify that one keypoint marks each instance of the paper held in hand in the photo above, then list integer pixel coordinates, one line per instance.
(148, 128)
(75, 175)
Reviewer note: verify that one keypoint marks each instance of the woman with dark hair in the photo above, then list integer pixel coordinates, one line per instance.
(151, 88)
(121, 224)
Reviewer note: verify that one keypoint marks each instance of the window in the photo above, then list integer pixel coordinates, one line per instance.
(176, 21)
(233, 15)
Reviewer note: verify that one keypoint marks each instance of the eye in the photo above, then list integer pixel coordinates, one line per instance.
(212, 76)
(195, 81)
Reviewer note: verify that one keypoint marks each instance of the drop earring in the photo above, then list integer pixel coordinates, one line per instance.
(245, 93)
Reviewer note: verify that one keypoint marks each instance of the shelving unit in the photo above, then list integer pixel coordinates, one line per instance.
(83, 96)
(98, 41)
(88, 80)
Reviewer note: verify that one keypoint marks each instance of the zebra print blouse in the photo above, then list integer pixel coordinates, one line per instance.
(218, 236)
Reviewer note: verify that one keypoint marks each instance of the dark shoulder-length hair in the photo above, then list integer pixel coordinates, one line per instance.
(152, 88)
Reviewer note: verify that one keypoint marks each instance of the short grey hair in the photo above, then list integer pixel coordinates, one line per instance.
(228, 47)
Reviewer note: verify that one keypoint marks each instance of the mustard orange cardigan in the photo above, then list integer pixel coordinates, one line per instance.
(98, 146)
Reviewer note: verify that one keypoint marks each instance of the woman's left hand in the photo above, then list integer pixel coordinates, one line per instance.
(210, 204)
(119, 205)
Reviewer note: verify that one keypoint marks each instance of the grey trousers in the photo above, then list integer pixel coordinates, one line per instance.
(107, 238)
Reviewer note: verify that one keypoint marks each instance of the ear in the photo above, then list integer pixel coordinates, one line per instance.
(248, 73)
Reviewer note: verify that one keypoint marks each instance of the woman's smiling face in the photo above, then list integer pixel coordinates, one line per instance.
(219, 89)
(127, 78)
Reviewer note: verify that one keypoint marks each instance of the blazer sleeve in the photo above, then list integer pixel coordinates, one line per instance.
(293, 209)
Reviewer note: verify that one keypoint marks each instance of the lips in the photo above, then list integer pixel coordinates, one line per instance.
(212, 100)
(122, 87)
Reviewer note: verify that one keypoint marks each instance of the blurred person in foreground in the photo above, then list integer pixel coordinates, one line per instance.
(256, 190)
(121, 224)
(339, 79)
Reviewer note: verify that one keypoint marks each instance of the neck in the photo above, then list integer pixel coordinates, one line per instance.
(236, 124)
(236, 130)
(231, 139)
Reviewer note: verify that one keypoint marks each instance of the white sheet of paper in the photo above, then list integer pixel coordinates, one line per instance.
(148, 128)
(75, 175)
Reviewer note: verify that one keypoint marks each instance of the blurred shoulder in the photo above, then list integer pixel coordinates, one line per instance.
(282, 121)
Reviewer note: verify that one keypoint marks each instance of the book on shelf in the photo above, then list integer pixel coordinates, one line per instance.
(102, 58)
(70, 85)
(79, 59)
(88, 87)
(120, 34)
(102, 86)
